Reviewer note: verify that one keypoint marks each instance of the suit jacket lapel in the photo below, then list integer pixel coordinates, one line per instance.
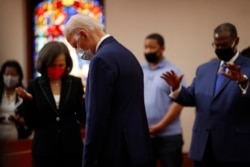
(212, 75)
(65, 92)
(223, 85)
(45, 87)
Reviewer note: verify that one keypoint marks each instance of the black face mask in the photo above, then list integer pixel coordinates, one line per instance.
(151, 57)
(225, 54)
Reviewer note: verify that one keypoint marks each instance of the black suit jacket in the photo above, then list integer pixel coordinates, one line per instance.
(56, 130)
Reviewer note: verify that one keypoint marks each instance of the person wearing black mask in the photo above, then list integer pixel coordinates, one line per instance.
(166, 134)
(221, 131)
(225, 43)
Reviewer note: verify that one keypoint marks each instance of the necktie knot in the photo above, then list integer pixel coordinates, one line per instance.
(223, 68)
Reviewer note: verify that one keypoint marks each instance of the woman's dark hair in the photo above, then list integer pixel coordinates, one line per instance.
(14, 64)
(49, 52)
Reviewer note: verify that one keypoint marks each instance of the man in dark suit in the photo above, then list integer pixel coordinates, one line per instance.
(117, 132)
(221, 131)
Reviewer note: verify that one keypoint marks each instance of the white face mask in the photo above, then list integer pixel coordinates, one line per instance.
(85, 55)
(10, 81)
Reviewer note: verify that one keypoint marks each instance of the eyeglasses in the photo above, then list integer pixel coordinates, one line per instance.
(222, 45)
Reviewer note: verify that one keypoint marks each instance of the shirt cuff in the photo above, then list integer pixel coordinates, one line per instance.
(175, 94)
(244, 90)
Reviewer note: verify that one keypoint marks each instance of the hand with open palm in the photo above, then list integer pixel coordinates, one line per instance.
(172, 79)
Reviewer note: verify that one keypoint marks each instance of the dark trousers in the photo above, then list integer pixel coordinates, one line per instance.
(210, 161)
(168, 150)
(57, 161)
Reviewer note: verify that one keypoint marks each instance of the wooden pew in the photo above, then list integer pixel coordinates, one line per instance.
(18, 154)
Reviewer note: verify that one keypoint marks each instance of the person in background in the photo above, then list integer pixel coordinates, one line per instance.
(117, 132)
(12, 125)
(166, 134)
(246, 52)
(54, 107)
(220, 92)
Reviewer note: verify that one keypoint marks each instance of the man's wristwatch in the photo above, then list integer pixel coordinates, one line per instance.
(243, 80)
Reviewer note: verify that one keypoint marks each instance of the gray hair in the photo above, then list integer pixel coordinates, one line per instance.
(79, 21)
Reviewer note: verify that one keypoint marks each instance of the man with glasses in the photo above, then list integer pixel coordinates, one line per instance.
(221, 131)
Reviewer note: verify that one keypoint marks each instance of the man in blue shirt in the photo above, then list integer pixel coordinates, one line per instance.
(165, 130)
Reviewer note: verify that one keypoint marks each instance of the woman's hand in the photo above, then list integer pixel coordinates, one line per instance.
(17, 119)
(23, 93)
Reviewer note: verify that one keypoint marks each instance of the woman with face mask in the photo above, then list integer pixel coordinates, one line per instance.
(54, 108)
(12, 125)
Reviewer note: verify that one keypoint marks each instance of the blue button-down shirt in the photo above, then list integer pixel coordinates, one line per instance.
(156, 92)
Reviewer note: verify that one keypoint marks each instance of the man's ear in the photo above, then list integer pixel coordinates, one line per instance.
(163, 48)
(83, 33)
(237, 40)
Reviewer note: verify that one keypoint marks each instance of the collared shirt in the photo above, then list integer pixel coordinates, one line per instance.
(156, 96)
(231, 61)
(102, 39)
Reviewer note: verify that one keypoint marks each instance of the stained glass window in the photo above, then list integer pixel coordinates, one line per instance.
(50, 18)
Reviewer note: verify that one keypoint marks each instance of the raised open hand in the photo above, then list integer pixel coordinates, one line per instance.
(234, 73)
(172, 79)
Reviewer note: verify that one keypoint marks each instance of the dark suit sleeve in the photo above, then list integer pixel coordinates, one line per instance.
(28, 106)
(187, 94)
(24, 131)
(81, 113)
(99, 103)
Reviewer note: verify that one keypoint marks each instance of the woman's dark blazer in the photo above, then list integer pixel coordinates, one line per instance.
(56, 130)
